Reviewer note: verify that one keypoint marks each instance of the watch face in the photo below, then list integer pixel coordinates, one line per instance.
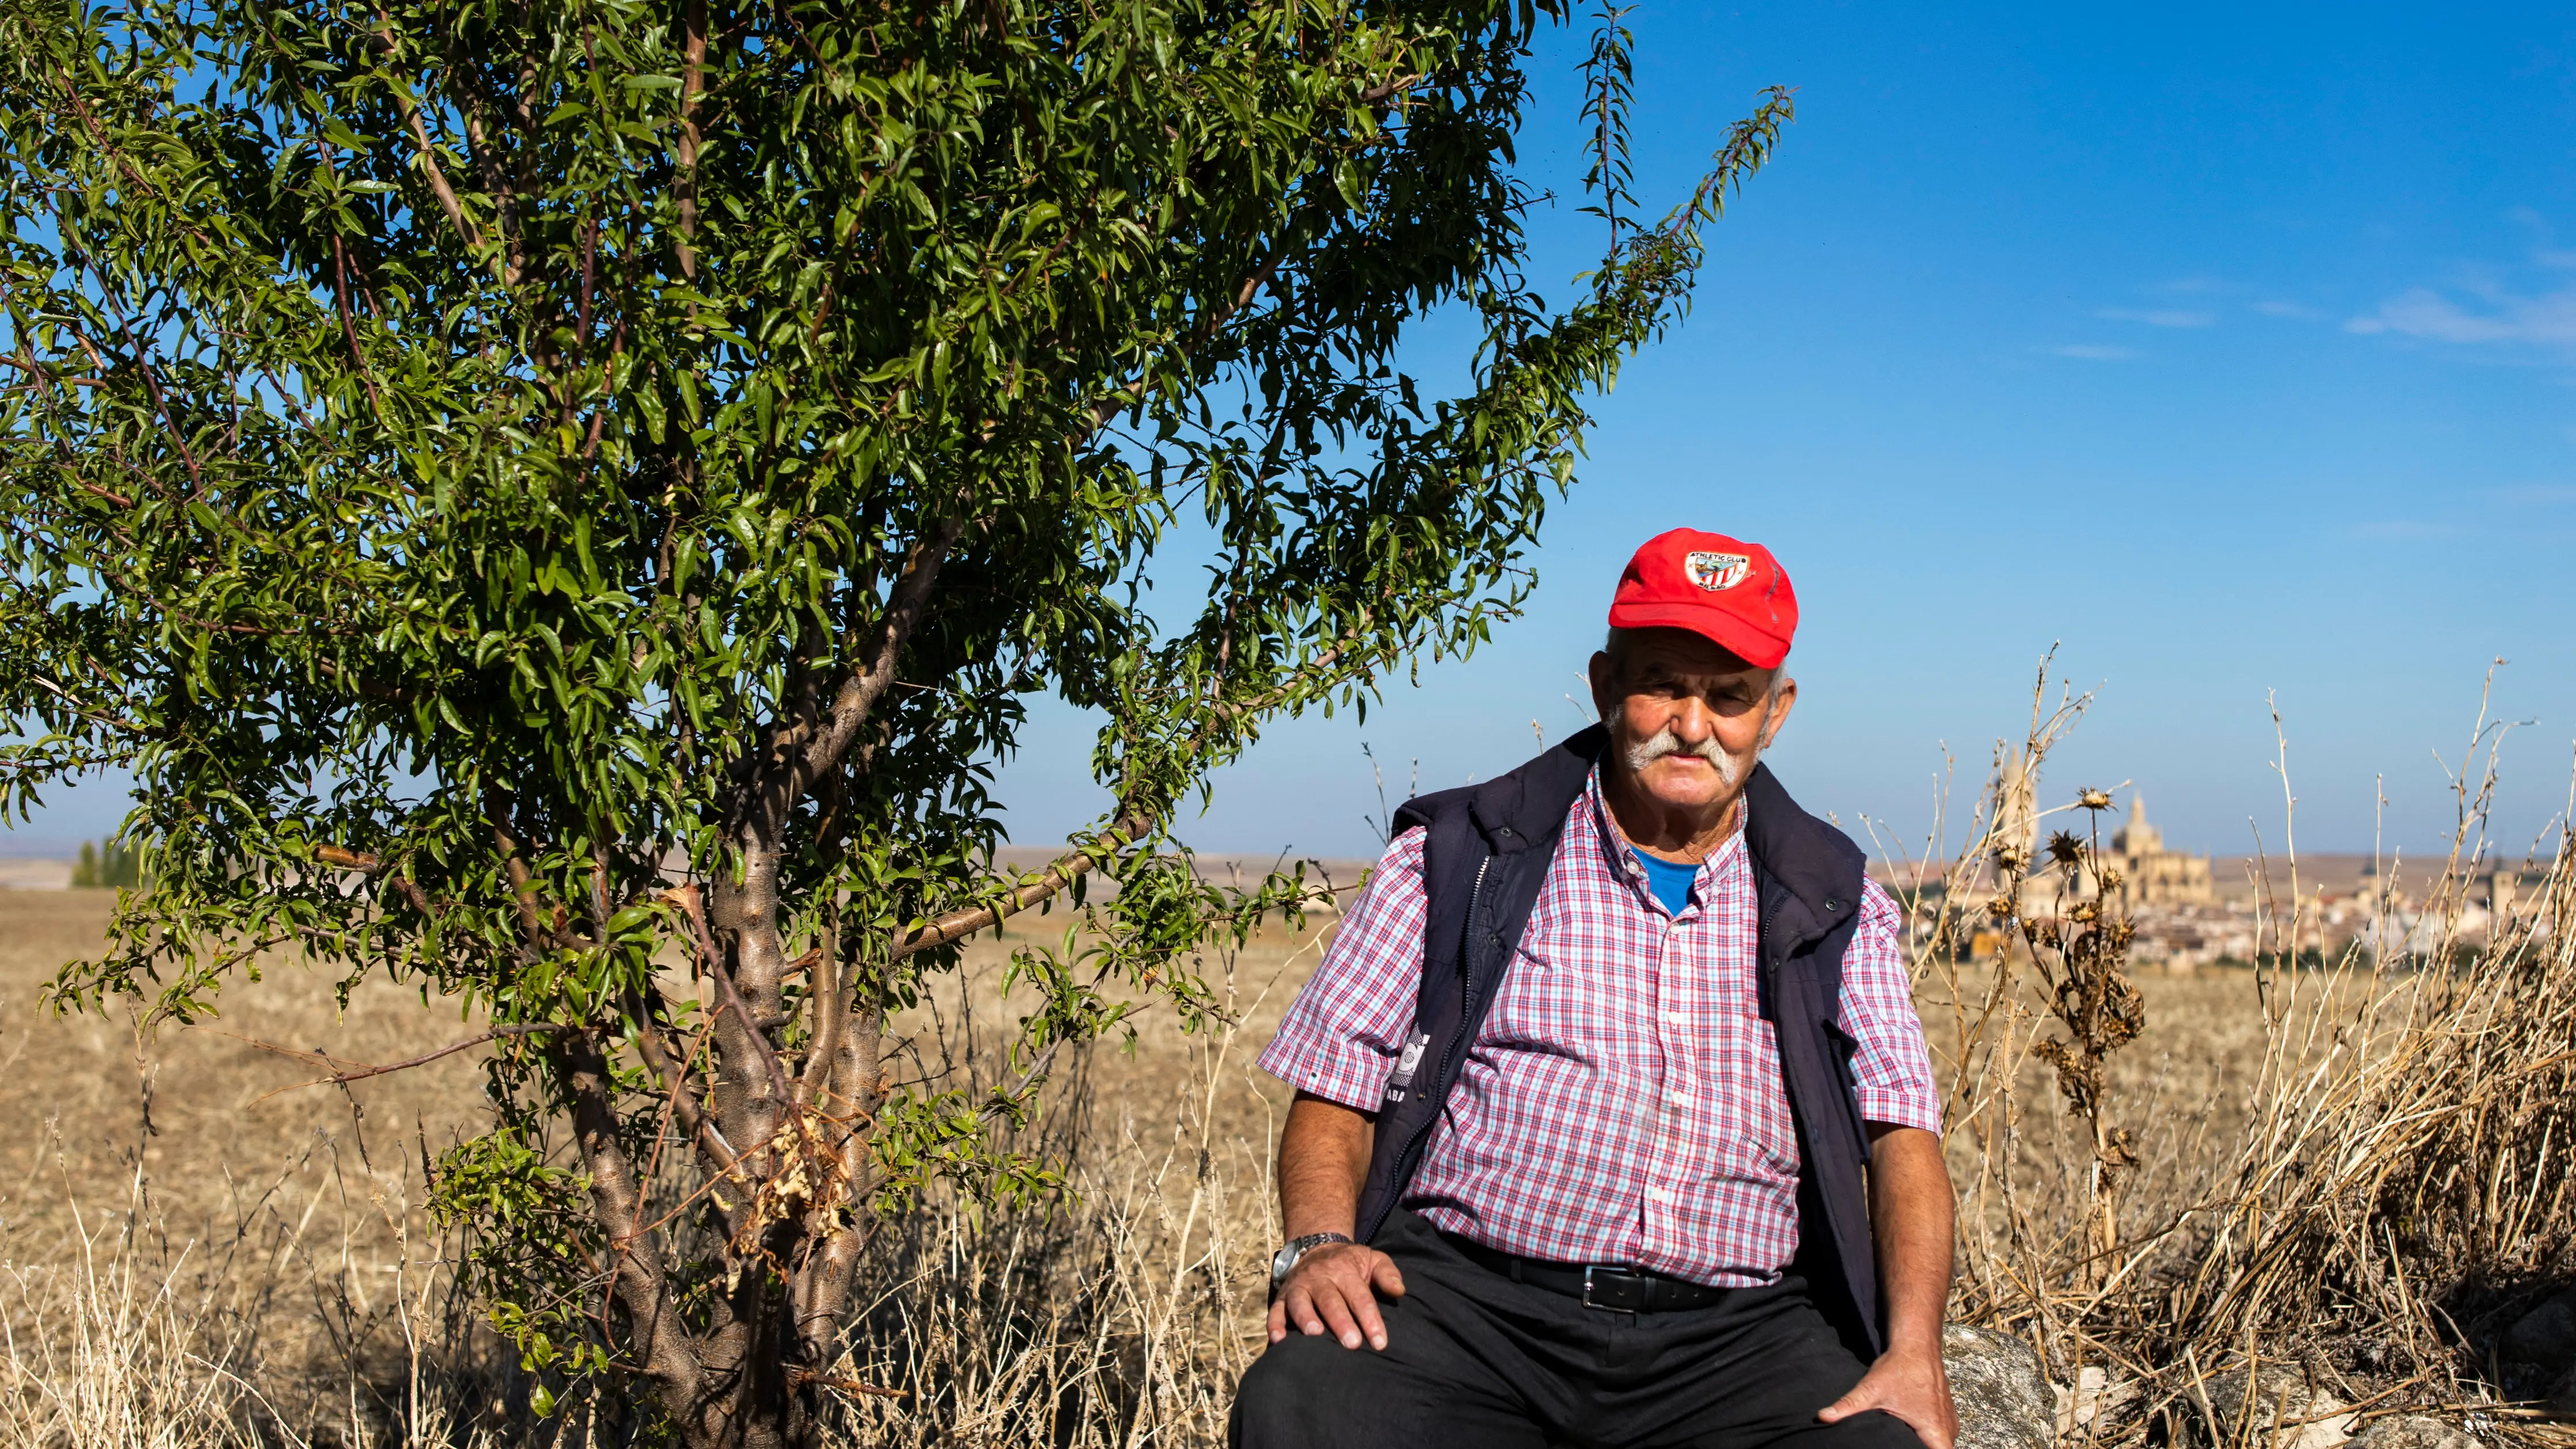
(1281, 1262)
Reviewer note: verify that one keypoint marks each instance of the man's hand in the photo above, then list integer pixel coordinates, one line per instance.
(1330, 1291)
(1909, 1201)
(1913, 1386)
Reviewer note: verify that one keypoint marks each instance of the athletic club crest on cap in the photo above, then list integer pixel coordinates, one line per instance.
(1715, 571)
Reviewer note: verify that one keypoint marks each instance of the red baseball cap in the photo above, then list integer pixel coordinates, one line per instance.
(1717, 587)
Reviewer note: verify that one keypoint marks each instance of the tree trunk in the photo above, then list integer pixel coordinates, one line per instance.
(754, 1401)
(793, 1247)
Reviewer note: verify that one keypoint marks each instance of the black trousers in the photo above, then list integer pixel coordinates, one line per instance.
(1473, 1358)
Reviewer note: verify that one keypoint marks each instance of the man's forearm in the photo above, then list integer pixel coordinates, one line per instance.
(1323, 1159)
(1911, 1214)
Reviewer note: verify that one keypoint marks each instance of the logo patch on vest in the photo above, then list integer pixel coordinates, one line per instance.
(1400, 1081)
(1715, 571)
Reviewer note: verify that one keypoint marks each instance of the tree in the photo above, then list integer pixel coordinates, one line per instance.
(524, 489)
(106, 866)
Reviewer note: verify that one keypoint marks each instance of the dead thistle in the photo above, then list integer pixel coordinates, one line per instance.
(2082, 956)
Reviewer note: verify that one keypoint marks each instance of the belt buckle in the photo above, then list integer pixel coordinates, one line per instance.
(1590, 1302)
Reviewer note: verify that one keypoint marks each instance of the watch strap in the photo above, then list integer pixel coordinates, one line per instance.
(1296, 1248)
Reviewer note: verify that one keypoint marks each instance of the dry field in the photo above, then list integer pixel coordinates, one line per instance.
(196, 1252)
(188, 1235)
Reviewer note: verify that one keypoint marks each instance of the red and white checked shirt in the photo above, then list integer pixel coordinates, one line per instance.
(1623, 1102)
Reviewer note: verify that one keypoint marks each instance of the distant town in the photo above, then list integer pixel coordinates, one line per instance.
(2192, 911)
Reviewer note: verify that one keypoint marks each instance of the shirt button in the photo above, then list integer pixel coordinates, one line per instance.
(1676, 1018)
(1657, 1194)
(1678, 1099)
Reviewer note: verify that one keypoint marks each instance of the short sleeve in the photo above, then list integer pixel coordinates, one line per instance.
(1892, 1069)
(1343, 1031)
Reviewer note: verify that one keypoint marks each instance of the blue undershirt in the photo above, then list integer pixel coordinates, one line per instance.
(1669, 881)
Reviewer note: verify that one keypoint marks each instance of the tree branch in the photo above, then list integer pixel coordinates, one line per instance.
(661, 1339)
(447, 202)
(1053, 880)
(1110, 404)
(684, 186)
(748, 1113)
(684, 1105)
(803, 752)
(360, 1071)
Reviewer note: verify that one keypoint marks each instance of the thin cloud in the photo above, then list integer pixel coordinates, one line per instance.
(2158, 316)
(2092, 352)
(2548, 320)
(2547, 253)
(2479, 308)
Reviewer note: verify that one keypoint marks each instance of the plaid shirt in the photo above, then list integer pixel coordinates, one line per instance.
(1623, 1102)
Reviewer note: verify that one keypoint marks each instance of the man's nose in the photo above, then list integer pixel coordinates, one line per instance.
(1693, 721)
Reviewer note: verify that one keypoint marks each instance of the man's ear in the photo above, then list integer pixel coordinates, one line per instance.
(1782, 697)
(1604, 687)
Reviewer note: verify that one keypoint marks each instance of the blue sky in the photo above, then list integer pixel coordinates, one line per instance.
(2234, 352)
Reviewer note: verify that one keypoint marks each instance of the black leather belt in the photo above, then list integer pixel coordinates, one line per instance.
(1596, 1285)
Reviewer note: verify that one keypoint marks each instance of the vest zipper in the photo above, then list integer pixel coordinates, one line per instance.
(1467, 987)
(1762, 950)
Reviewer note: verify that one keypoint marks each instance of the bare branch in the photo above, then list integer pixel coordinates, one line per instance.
(682, 1102)
(1390, 90)
(1004, 1102)
(347, 1071)
(847, 1386)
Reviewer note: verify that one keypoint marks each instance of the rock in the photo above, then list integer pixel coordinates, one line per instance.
(2001, 1390)
(2561, 1398)
(2414, 1431)
(2287, 1411)
(2545, 1335)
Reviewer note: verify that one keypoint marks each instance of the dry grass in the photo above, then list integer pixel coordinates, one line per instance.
(2354, 1204)
(189, 1255)
(2360, 1176)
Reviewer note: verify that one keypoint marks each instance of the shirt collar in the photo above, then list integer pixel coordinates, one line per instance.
(1614, 845)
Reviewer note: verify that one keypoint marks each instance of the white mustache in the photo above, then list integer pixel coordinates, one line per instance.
(1665, 742)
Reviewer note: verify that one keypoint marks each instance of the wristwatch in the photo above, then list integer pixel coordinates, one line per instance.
(1286, 1258)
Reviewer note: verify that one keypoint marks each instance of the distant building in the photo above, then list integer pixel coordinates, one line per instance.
(2150, 874)
(2156, 876)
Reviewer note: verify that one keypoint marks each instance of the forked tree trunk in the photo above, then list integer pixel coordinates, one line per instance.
(791, 1204)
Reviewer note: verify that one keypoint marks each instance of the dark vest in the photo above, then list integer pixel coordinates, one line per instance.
(1486, 854)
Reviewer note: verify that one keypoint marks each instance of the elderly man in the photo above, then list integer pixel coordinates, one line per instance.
(1613, 1121)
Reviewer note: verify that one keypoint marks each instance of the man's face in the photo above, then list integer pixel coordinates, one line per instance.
(1687, 718)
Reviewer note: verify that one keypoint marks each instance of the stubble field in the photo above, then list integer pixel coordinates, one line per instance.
(182, 1219)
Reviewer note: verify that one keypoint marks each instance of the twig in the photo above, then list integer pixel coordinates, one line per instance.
(849, 1386)
(360, 1071)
